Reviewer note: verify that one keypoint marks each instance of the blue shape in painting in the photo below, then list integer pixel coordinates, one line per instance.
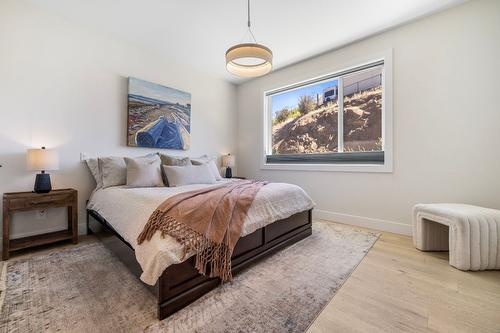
(161, 135)
(158, 116)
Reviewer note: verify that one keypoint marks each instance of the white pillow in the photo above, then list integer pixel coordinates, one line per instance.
(93, 166)
(173, 161)
(185, 175)
(210, 162)
(215, 170)
(144, 171)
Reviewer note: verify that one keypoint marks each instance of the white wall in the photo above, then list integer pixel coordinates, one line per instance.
(65, 87)
(446, 121)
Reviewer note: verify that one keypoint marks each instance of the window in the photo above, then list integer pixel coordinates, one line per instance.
(336, 119)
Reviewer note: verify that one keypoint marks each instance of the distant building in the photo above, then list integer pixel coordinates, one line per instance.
(330, 94)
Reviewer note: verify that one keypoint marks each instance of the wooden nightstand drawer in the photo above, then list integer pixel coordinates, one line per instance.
(53, 200)
(15, 204)
(34, 201)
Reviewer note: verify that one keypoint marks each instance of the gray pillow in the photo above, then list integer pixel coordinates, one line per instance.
(185, 175)
(113, 171)
(144, 171)
(174, 160)
(93, 166)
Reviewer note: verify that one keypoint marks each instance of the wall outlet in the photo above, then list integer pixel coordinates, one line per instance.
(41, 214)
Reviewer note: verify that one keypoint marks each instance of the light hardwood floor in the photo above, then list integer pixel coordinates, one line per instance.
(397, 288)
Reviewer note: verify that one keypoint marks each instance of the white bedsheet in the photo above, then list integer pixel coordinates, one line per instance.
(128, 210)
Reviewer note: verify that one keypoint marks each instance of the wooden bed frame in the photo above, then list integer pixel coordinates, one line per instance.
(180, 284)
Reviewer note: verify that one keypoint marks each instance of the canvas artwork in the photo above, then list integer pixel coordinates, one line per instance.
(158, 116)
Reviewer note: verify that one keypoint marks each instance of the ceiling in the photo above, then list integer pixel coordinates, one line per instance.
(198, 32)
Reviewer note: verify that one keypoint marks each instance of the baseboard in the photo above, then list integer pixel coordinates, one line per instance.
(82, 230)
(362, 221)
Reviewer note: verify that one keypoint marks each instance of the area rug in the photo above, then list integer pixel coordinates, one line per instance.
(87, 289)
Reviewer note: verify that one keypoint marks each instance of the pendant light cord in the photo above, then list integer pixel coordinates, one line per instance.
(248, 14)
(249, 24)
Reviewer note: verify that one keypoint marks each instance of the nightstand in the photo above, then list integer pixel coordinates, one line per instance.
(25, 201)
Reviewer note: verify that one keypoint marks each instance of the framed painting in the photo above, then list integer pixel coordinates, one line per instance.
(158, 116)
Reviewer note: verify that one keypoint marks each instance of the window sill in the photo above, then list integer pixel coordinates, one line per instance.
(387, 168)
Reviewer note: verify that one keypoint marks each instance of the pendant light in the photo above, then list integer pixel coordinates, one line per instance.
(249, 59)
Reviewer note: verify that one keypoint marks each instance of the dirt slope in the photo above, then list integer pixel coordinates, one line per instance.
(316, 132)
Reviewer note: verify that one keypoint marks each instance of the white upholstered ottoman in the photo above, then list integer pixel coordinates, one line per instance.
(470, 233)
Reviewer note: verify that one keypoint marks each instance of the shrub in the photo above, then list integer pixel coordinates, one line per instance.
(306, 104)
(282, 115)
(285, 114)
(294, 114)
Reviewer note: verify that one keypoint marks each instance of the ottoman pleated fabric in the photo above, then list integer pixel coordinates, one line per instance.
(472, 234)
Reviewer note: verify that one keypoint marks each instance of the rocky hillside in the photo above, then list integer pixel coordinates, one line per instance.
(316, 132)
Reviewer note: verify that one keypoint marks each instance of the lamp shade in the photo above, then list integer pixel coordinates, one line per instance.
(249, 60)
(228, 161)
(42, 159)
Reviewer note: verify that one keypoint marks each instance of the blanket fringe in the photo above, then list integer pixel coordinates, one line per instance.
(212, 259)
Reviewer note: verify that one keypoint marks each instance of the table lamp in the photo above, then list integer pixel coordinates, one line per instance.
(42, 160)
(228, 162)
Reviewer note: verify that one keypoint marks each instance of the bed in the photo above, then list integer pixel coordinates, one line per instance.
(279, 216)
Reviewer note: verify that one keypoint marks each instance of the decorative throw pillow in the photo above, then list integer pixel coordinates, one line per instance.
(185, 175)
(173, 161)
(93, 166)
(211, 164)
(144, 171)
(113, 171)
(215, 170)
(201, 160)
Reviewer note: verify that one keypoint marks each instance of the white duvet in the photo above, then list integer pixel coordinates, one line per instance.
(128, 210)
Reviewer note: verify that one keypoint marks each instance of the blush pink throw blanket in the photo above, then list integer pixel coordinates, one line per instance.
(207, 222)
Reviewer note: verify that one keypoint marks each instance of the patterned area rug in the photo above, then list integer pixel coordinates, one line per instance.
(87, 289)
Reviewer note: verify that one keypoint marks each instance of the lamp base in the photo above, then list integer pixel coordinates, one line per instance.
(42, 183)
(229, 173)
